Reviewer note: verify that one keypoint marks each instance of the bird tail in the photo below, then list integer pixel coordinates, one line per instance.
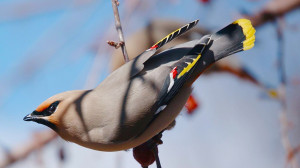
(236, 37)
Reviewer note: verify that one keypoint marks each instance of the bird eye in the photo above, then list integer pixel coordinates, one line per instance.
(52, 107)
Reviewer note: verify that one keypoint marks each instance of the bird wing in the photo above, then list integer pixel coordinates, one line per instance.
(181, 72)
(138, 62)
(235, 37)
(131, 103)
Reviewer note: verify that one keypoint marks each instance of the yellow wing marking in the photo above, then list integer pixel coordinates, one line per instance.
(179, 29)
(248, 31)
(189, 67)
(168, 36)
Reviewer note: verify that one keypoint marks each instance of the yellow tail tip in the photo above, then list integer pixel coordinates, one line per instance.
(248, 31)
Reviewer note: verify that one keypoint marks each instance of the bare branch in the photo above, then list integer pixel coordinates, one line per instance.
(284, 122)
(155, 151)
(115, 4)
(39, 140)
(114, 44)
(291, 155)
(272, 10)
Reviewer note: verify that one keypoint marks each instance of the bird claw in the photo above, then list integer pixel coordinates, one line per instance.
(147, 152)
(157, 139)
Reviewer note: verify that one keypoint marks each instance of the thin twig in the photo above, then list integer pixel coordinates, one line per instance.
(272, 10)
(155, 151)
(157, 141)
(284, 123)
(293, 153)
(115, 4)
(114, 44)
(39, 140)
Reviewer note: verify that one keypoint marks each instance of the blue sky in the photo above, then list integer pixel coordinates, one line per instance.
(59, 43)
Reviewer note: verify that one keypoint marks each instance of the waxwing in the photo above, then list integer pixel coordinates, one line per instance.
(143, 97)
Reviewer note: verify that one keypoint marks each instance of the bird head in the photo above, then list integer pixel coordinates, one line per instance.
(56, 110)
(66, 114)
(43, 114)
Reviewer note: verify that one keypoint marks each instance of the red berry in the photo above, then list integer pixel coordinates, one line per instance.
(204, 1)
(144, 155)
(191, 105)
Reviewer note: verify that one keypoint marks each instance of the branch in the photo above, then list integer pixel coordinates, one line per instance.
(155, 151)
(39, 140)
(115, 4)
(23, 10)
(284, 123)
(114, 44)
(272, 10)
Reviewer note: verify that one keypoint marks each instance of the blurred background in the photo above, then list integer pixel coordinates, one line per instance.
(245, 111)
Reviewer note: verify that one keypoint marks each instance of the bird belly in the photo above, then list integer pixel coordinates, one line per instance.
(162, 121)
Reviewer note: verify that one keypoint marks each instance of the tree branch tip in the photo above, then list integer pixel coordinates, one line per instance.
(115, 44)
(117, 2)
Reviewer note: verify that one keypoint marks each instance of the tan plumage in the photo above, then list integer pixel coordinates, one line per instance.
(142, 97)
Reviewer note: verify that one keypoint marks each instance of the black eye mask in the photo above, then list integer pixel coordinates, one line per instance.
(38, 116)
(48, 111)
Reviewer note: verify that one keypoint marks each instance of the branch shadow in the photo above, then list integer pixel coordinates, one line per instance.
(150, 64)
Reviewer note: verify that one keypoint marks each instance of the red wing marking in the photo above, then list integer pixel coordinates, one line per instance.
(153, 47)
(174, 72)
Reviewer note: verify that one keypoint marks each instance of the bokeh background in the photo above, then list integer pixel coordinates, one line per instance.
(248, 116)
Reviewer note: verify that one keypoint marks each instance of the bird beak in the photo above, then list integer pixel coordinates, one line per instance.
(31, 117)
(28, 117)
(39, 118)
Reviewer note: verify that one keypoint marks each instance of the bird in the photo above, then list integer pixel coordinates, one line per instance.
(144, 96)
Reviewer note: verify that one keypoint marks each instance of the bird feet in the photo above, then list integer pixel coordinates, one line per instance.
(147, 152)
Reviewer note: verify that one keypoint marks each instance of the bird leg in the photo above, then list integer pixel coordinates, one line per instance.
(147, 152)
